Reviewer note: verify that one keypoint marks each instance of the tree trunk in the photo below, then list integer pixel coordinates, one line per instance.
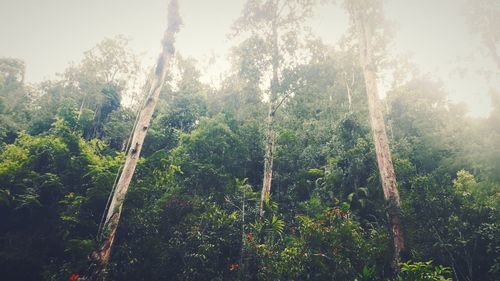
(270, 134)
(101, 258)
(386, 168)
(268, 160)
(348, 89)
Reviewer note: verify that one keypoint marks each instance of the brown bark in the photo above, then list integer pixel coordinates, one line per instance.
(101, 258)
(383, 152)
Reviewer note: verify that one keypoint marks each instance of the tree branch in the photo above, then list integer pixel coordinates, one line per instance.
(281, 102)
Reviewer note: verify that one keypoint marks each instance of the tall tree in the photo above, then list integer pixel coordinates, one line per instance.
(273, 26)
(365, 15)
(107, 73)
(114, 211)
(484, 17)
(15, 98)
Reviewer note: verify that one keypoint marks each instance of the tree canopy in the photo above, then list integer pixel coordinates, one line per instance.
(192, 210)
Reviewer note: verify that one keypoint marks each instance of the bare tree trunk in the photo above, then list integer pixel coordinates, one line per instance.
(81, 107)
(270, 134)
(113, 216)
(268, 161)
(380, 139)
(348, 89)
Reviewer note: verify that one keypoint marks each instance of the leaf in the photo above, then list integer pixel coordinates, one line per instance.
(349, 197)
(316, 172)
(345, 207)
(364, 190)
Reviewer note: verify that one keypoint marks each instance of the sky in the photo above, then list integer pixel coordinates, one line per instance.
(50, 34)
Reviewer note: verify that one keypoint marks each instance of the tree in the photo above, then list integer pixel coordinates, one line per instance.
(484, 17)
(14, 99)
(100, 81)
(11, 70)
(140, 130)
(273, 26)
(364, 15)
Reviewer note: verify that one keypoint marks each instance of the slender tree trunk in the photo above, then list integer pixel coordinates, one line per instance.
(270, 134)
(348, 89)
(380, 139)
(81, 107)
(113, 216)
(268, 160)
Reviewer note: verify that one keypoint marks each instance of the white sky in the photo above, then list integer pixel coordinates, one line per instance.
(49, 34)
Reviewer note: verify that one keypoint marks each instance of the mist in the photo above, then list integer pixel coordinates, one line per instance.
(250, 140)
(435, 36)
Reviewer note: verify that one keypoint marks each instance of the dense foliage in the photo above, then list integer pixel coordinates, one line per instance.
(192, 212)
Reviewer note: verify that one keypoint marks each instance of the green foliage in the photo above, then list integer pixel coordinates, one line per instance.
(422, 271)
(331, 246)
(192, 210)
(47, 197)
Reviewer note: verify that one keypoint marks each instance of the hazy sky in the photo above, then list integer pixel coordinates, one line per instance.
(48, 34)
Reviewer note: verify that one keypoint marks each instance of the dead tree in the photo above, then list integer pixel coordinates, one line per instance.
(101, 257)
